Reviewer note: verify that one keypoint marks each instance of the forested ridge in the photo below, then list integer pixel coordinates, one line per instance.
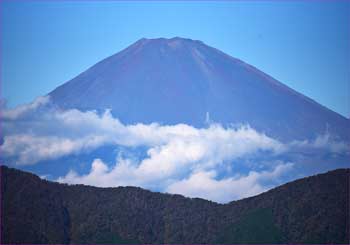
(309, 210)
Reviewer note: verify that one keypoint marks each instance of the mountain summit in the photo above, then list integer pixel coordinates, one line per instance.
(181, 80)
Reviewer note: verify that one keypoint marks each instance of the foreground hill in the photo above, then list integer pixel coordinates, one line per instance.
(309, 210)
(179, 80)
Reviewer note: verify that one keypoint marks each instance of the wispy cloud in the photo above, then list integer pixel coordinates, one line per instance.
(325, 142)
(24, 109)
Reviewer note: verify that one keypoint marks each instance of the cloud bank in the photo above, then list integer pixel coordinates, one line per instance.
(52, 134)
(195, 162)
(199, 183)
(204, 184)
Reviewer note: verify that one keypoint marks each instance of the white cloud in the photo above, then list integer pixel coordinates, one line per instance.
(205, 185)
(51, 134)
(29, 149)
(179, 158)
(325, 142)
(123, 173)
(205, 148)
(201, 183)
(25, 108)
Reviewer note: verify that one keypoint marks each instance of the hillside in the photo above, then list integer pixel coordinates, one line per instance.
(310, 210)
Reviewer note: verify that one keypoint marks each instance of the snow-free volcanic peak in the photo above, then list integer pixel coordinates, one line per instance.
(181, 80)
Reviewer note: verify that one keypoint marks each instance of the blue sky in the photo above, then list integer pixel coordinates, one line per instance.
(305, 45)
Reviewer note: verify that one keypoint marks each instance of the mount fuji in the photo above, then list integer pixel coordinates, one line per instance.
(179, 80)
(177, 116)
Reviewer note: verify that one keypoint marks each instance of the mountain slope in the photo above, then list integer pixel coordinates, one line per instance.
(185, 81)
(309, 210)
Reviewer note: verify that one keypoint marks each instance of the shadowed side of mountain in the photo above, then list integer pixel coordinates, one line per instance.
(309, 210)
